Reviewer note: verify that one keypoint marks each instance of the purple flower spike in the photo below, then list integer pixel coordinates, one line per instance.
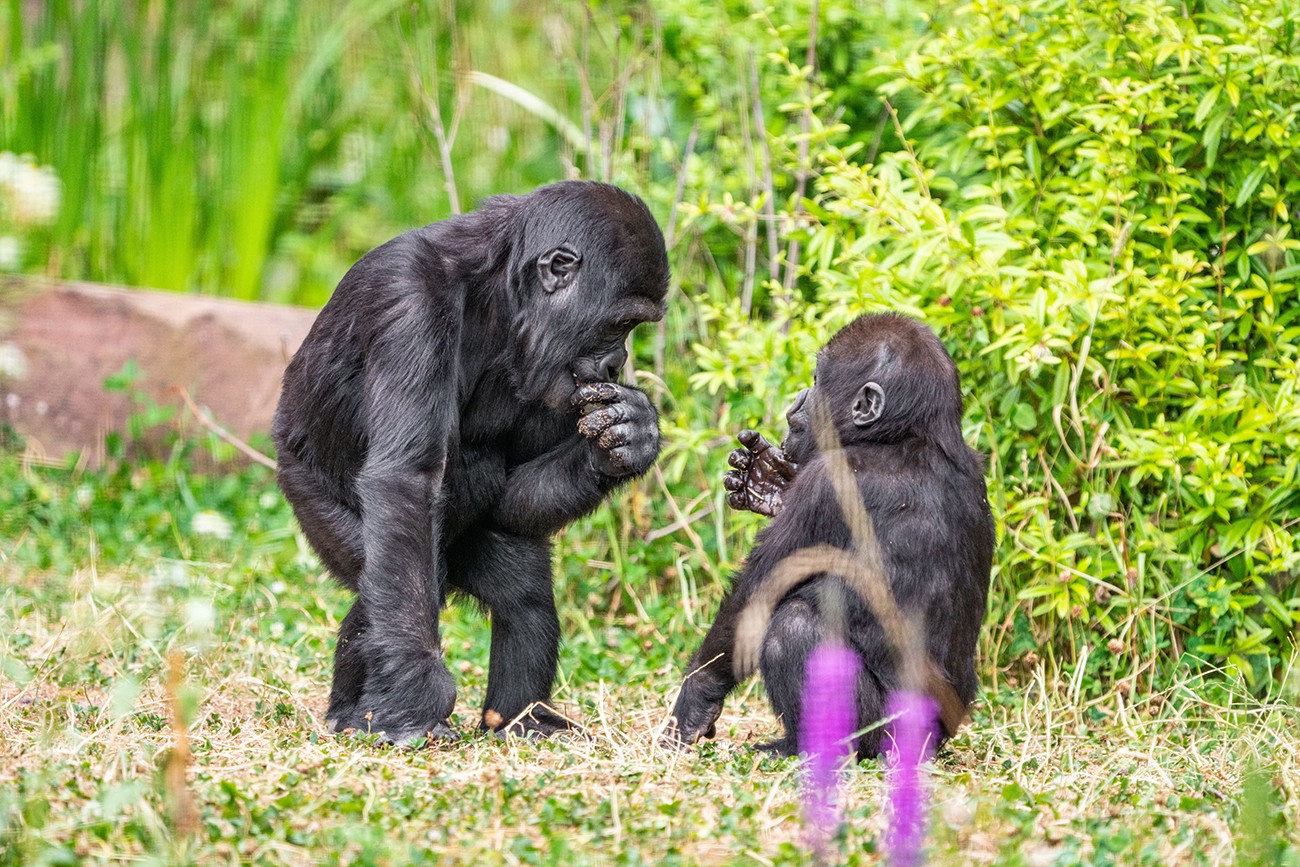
(913, 732)
(829, 717)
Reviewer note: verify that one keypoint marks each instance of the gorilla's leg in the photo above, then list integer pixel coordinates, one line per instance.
(871, 712)
(511, 576)
(334, 531)
(349, 666)
(331, 526)
(795, 629)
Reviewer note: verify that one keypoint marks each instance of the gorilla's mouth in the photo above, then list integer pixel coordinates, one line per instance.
(558, 393)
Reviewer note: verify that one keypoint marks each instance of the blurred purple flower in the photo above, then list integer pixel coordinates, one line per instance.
(829, 718)
(913, 733)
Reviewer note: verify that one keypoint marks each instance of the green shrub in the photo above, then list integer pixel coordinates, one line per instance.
(1095, 214)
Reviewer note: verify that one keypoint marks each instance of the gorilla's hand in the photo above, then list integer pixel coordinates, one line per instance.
(694, 718)
(622, 425)
(761, 473)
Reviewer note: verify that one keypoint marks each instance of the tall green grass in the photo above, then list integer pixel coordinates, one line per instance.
(255, 149)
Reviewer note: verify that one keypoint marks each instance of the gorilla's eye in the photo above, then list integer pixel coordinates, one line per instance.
(618, 329)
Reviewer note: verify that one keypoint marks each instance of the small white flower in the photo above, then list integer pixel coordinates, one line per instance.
(1040, 855)
(32, 192)
(958, 812)
(200, 616)
(11, 253)
(8, 167)
(277, 587)
(13, 364)
(209, 523)
(167, 576)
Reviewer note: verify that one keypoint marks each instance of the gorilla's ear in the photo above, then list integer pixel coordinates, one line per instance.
(558, 268)
(868, 405)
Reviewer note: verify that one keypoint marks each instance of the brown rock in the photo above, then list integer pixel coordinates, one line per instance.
(228, 354)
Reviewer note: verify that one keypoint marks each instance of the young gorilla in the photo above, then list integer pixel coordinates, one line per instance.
(894, 396)
(454, 405)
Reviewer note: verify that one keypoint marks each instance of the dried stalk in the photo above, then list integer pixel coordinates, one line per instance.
(248, 451)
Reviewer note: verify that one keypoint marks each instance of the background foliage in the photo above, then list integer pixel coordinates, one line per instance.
(1092, 204)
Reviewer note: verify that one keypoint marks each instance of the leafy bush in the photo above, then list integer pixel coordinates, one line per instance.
(1095, 213)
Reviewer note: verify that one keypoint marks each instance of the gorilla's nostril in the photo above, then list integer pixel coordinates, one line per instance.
(611, 364)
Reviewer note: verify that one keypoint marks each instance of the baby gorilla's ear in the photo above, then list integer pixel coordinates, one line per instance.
(868, 405)
(558, 268)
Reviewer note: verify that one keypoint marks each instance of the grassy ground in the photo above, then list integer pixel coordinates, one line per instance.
(90, 764)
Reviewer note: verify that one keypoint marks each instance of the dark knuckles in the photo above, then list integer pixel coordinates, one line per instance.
(590, 425)
(620, 421)
(597, 392)
(598, 421)
(612, 437)
(733, 481)
(740, 458)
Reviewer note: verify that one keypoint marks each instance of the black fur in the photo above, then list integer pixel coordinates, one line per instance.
(924, 489)
(429, 438)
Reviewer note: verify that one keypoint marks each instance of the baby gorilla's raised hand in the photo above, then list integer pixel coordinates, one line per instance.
(761, 473)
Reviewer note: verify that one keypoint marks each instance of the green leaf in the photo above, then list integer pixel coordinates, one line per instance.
(1249, 185)
(1206, 105)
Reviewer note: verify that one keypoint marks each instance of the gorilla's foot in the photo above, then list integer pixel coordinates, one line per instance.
(538, 720)
(405, 698)
(354, 724)
(781, 748)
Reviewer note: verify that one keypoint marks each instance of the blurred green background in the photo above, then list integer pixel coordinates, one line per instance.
(1092, 204)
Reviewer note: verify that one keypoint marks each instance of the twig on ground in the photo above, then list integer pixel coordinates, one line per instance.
(203, 419)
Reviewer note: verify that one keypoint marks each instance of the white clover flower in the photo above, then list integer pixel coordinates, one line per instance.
(11, 253)
(209, 523)
(13, 364)
(31, 192)
(8, 167)
(200, 616)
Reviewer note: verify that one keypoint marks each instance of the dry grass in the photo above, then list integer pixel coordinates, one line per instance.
(1041, 776)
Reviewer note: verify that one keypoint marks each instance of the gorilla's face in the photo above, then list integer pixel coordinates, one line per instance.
(577, 331)
(594, 268)
(799, 442)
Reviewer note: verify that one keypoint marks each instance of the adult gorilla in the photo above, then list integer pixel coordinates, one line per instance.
(454, 405)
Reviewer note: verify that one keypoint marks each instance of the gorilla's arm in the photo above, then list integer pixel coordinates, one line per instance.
(408, 690)
(617, 439)
(810, 516)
